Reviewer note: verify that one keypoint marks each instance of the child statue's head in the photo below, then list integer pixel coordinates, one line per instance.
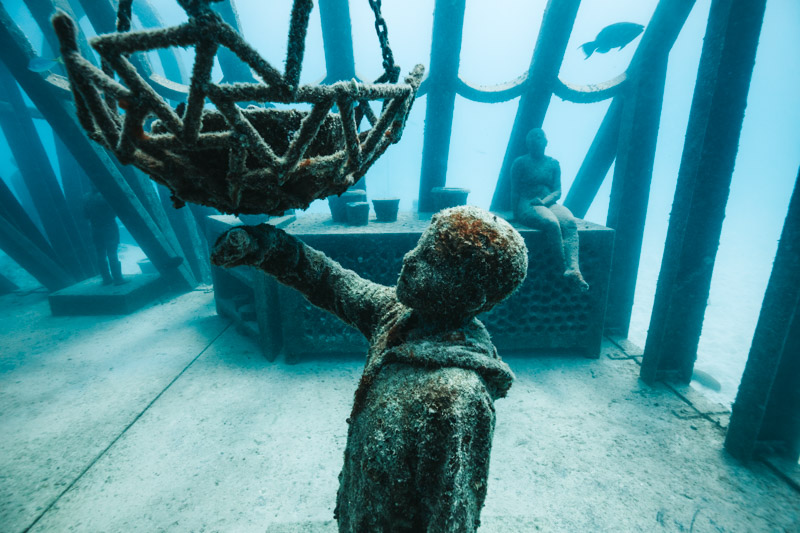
(467, 261)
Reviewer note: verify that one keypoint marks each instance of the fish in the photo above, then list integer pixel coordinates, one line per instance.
(43, 64)
(707, 380)
(614, 36)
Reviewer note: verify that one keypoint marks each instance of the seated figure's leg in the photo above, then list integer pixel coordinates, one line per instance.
(542, 218)
(569, 232)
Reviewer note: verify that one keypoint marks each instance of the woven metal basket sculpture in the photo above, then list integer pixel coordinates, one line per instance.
(253, 160)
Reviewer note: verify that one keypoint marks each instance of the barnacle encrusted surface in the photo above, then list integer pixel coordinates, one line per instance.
(254, 160)
(420, 431)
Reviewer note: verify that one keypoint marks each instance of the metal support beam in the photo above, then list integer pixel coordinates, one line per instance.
(6, 285)
(766, 414)
(595, 165)
(170, 62)
(76, 186)
(630, 189)
(12, 210)
(30, 257)
(233, 68)
(448, 24)
(337, 39)
(16, 52)
(103, 16)
(40, 179)
(633, 170)
(187, 234)
(698, 210)
(548, 54)
(42, 10)
(603, 150)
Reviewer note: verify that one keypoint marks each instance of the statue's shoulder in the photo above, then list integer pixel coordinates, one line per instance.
(522, 164)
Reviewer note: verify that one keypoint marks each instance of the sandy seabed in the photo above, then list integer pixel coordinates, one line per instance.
(170, 420)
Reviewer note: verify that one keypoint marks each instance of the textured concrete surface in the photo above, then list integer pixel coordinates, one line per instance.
(239, 444)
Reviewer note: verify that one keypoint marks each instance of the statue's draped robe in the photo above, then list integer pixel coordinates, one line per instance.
(420, 433)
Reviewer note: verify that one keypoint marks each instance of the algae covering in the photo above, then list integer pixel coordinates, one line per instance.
(253, 160)
(420, 432)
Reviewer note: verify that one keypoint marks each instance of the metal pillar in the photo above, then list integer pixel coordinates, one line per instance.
(188, 235)
(233, 69)
(337, 38)
(448, 24)
(31, 258)
(173, 67)
(630, 189)
(12, 210)
(548, 54)
(6, 285)
(633, 170)
(766, 414)
(712, 140)
(16, 52)
(103, 16)
(76, 186)
(41, 181)
(595, 165)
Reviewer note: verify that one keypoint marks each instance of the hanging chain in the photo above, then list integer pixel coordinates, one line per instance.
(392, 71)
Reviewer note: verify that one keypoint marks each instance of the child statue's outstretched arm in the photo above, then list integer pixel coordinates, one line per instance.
(321, 280)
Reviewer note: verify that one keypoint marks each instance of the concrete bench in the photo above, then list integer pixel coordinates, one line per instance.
(545, 314)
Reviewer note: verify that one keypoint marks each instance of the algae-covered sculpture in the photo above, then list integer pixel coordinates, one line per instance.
(420, 431)
(536, 187)
(256, 160)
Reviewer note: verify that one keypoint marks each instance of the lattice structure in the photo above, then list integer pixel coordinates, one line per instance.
(253, 160)
(546, 313)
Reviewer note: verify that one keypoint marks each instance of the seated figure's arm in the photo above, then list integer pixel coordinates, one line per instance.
(553, 197)
(324, 283)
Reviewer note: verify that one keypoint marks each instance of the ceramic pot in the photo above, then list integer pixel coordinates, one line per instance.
(386, 209)
(357, 213)
(338, 203)
(444, 197)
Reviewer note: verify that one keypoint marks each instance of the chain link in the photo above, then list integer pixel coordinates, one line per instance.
(392, 71)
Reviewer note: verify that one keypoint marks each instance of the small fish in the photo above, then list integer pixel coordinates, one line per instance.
(707, 380)
(43, 64)
(614, 36)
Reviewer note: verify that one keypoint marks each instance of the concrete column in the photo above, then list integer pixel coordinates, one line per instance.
(712, 141)
(448, 24)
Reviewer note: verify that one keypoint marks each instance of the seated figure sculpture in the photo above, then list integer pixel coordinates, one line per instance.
(535, 189)
(420, 430)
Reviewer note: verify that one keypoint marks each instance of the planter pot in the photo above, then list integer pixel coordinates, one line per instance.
(357, 213)
(338, 203)
(444, 197)
(386, 209)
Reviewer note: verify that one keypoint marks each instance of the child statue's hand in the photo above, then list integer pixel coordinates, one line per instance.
(244, 245)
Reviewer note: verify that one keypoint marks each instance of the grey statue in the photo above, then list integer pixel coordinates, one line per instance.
(536, 187)
(420, 431)
(105, 236)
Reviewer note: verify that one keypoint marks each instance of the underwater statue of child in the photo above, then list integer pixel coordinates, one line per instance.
(420, 431)
(536, 187)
